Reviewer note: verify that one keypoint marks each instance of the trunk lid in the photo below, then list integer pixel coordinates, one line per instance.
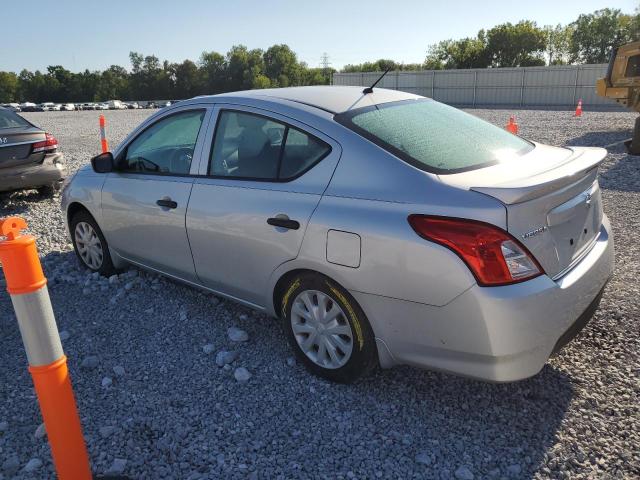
(552, 199)
(16, 146)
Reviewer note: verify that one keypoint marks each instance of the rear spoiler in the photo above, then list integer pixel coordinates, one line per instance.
(576, 167)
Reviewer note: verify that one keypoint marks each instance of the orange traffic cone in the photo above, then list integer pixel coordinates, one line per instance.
(578, 109)
(512, 126)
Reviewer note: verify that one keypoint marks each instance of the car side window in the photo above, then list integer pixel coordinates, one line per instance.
(260, 148)
(166, 146)
(301, 152)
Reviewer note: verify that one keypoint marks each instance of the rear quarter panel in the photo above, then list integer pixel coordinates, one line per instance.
(372, 194)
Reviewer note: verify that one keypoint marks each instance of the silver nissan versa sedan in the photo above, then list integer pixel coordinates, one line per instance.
(382, 227)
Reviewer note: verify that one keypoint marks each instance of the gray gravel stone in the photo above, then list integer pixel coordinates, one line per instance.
(11, 465)
(241, 374)
(90, 362)
(106, 382)
(64, 335)
(463, 473)
(33, 465)
(423, 458)
(4, 426)
(41, 431)
(117, 467)
(514, 470)
(209, 348)
(225, 357)
(107, 431)
(237, 334)
(118, 371)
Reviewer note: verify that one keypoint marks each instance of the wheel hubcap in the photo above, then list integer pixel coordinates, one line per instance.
(88, 245)
(321, 329)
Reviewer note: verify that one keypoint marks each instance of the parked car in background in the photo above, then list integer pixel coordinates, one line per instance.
(48, 107)
(102, 106)
(28, 107)
(132, 105)
(116, 105)
(381, 227)
(29, 156)
(68, 107)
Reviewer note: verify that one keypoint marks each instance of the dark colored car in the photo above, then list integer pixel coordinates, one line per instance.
(28, 156)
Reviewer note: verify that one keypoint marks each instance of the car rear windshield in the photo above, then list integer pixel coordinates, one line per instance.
(433, 136)
(8, 119)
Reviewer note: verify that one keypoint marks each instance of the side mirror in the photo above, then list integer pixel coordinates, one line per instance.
(103, 163)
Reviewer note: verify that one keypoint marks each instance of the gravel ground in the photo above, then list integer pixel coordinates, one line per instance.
(144, 355)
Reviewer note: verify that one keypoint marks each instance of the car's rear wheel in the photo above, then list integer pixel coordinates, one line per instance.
(90, 245)
(327, 328)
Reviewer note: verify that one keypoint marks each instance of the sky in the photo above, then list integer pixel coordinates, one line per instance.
(81, 34)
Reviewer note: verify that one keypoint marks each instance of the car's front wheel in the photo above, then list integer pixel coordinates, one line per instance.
(90, 245)
(327, 328)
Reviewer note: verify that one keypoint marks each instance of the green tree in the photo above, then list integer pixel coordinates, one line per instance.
(518, 45)
(595, 34)
(113, 84)
(8, 87)
(463, 53)
(244, 66)
(281, 66)
(558, 44)
(187, 80)
(213, 73)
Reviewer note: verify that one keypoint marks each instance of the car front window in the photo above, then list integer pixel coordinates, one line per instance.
(433, 136)
(166, 146)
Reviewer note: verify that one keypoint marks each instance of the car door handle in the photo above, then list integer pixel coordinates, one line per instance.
(166, 203)
(284, 222)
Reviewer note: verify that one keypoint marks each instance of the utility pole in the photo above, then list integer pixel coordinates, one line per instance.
(324, 64)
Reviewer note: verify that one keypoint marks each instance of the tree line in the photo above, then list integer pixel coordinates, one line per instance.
(589, 39)
(150, 79)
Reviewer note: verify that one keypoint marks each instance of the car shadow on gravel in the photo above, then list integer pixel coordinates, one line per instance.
(15, 203)
(500, 429)
(620, 170)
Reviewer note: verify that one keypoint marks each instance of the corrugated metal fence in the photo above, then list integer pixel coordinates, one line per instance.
(558, 86)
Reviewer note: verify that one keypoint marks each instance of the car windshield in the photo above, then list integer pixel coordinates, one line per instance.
(8, 119)
(433, 136)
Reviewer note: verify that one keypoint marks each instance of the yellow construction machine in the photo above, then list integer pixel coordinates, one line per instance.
(622, 84)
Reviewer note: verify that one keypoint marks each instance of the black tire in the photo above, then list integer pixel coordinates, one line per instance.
(634, 146)
(364, 356)
(106, 267)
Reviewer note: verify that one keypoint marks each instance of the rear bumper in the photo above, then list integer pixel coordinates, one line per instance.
(49, 172)
(496, 334)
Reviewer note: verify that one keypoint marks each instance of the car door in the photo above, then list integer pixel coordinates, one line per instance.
(247, 215)
(144, 202)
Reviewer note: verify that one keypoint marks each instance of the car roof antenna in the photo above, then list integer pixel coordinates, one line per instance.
(370, 89)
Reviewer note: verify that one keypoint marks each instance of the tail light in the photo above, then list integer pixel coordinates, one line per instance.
(493, 255)
(50, 144)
